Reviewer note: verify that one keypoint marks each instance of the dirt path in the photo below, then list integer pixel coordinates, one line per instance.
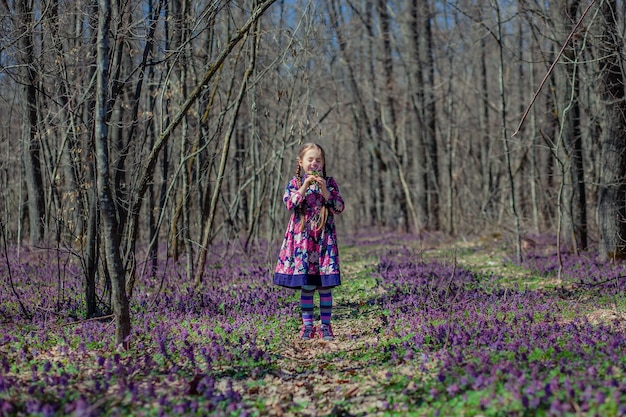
(321, 378)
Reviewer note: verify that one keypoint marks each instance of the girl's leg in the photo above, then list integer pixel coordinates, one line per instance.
(326, 310)
(326, 304)
(306, 304)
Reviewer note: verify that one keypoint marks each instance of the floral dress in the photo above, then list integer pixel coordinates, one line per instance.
(309, 256)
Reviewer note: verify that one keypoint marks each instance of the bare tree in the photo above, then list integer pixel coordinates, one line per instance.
(110, 224)
(431, 146)
(567, 96)
(611, 204)
(24, 19)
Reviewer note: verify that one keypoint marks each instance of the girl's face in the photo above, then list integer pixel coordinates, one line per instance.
(312, 160)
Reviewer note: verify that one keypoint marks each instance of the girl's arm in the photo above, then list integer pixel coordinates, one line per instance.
(292, 197)
(335, 201)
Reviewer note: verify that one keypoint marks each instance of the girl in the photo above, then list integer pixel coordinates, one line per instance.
(309, 258)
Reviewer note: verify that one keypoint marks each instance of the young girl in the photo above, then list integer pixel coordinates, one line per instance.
(309, 259)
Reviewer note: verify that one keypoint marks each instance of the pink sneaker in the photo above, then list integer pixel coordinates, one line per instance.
(307, 332)
(326, 332)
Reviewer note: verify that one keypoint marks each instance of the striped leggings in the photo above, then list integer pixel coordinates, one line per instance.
(326, 304)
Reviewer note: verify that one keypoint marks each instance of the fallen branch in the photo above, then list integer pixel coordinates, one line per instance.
(109, 316)
(606, 281)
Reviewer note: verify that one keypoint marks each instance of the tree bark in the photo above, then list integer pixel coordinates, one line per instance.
(505, 137)
(612, 188)
(31, 146)
(110, 226)
(90, 259)
(568, 110)
(488, 169)
(430, 119)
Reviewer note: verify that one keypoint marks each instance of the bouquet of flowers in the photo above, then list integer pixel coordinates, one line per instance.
(319, 220)
(315, 171)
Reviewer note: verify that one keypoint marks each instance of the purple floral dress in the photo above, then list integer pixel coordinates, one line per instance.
(307, 256)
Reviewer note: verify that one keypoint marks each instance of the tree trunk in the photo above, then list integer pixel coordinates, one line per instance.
(612, 188)
(419, 161)
(31, 147)
(505, 137)
(154, 211)
(483, 149)
(400, 195)
(110, 227)
(430, 117)
(568, 109)
(90, 259)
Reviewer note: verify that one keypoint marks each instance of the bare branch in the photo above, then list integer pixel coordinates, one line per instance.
(556, 60)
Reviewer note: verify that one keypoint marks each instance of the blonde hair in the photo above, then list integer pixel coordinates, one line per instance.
(324, 211)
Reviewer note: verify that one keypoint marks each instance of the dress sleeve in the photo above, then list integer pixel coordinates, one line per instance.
(292, 197)
(335, 201)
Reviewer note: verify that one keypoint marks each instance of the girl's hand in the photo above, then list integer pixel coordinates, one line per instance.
(323, 188)
(312, 179)
(308, 180)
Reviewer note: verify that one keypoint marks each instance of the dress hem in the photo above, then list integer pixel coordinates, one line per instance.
(298, 281)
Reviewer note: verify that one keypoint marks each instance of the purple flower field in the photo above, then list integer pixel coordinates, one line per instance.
(416, 335)
(490, 347)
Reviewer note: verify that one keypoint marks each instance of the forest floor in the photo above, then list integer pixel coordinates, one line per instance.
(423, 327)
(346, 377)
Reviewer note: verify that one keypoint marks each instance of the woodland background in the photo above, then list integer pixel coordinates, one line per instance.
(129, 126)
